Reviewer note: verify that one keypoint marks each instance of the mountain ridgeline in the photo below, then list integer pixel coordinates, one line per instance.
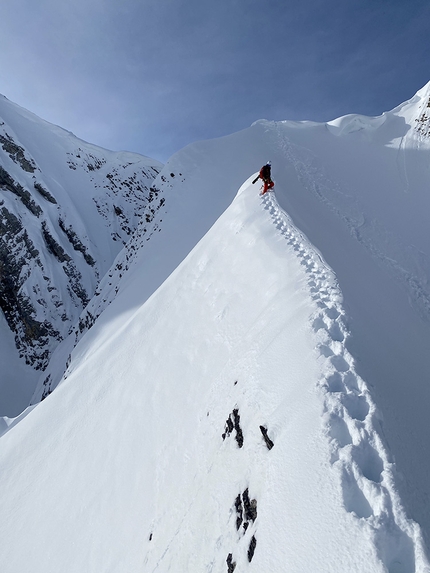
(222, 381)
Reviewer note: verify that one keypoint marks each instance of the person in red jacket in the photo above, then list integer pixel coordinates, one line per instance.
(265, 175)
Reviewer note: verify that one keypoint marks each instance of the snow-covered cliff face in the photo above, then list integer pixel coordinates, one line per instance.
(66, 210)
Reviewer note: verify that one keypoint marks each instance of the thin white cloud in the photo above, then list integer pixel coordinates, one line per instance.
(153, 74)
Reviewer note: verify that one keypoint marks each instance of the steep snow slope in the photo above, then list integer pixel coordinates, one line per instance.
(151, 455)
(142, 380)
(66, 210)
(361, 194)
(358, 187)
(193, 192)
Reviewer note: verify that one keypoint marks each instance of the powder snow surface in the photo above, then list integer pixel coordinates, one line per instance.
(303, 313)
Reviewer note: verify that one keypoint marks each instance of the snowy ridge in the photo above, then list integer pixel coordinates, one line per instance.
(218, 426)
(232, 387)
(406, 263)
(351, 419)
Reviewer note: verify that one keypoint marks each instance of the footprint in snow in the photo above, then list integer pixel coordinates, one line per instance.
(338, 430)
(356, 406)
(347, 411)
(335, 383)
(369, 461)
(353, 498)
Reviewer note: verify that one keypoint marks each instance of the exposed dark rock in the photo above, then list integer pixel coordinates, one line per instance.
(16, 253)
(423, 122)
(7, 182)
(251, 548)
(46, 387)
(233, 423)
(239, 511)
(45, 194)
(246, 510)
(75, 278)
(88, 161)
(76, 242)
(229, 427)
(231, 565)
(86, 321)
(93, 162)
(250, 507)
(75, 282)
(268, 441)
(34, 304)
(239, 433)
(17, 153)
(153, 193)
(53, 247)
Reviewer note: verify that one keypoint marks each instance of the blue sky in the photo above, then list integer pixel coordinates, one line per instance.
(154, 75)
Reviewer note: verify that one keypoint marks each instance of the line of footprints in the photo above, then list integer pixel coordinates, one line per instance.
(349, 413)
(246, 508)
(347, 402)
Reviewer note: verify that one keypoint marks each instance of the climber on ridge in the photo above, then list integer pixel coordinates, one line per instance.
(265, 175)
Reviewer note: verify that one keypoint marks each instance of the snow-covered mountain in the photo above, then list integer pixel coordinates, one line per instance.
(67, 208)
(253, 393)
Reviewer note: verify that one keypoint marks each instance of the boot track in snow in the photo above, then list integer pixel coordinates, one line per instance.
(351, 419)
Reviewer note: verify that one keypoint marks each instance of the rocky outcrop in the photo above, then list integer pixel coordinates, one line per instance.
(76, 242)
(423, 121)
(45, 194)
(18, 256)
(8, 184)
(17, 153)
(61, 229)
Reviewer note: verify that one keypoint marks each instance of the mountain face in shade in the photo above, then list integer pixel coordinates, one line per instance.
(67, 208)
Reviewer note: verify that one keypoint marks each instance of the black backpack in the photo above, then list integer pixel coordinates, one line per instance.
(265, 172)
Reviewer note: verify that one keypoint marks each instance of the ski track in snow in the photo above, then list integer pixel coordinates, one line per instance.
(351, 418)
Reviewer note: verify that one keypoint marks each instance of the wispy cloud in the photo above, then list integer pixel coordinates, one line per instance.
(152, 75)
